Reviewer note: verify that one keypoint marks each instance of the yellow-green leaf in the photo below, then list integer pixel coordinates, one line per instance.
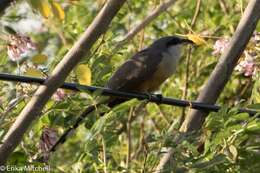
(83, 74)
(68, 91)
(196, 39)
(44, 8)
(58, 10)
(233, 151)
(33, 72)
(39, 59)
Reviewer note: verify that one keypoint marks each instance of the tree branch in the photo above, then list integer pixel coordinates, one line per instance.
(58, 76)
(155, 13)
(223, 70)
(221, 73)
(188, 59)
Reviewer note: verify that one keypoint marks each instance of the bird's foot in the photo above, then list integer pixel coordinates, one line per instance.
(159, 97)
(154, 97)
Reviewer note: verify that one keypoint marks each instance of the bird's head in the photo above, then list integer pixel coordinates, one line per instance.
(170, 41)
(171, 45)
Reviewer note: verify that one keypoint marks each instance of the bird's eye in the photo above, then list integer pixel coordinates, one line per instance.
(173, 42)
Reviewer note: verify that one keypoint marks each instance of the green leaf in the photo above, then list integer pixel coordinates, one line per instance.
(17, 158)
(39, 59)
(3, 58)
(217, 160)
(254, 106)
(253, 127)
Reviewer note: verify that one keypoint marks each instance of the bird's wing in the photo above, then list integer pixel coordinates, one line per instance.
(135, 71)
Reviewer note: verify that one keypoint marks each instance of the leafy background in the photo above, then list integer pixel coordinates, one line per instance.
(132, 136)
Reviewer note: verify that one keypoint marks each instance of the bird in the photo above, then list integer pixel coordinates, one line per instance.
(144, 72)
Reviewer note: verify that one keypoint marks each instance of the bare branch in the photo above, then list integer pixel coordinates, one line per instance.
(221, 73)
(56, 79)
(223, 70)
(161, 8)
(188, 59)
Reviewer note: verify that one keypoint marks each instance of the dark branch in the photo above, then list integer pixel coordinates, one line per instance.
(80, 49)
(223, 70)
(4, 4)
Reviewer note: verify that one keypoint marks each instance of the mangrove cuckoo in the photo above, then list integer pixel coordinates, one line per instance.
(144, 72)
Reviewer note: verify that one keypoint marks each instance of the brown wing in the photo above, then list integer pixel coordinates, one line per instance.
(135, 71)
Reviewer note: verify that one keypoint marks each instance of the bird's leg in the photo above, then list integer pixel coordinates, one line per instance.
(154, 97)
(149, 96)
(160, 97)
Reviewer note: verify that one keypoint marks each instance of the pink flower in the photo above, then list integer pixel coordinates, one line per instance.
(59, 95)
(18, 46)
(47, 140)
(247, 66)
(219, 46)
(13, 52)
(249, 69)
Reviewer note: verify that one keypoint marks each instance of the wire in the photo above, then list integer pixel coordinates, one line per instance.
(129, 95)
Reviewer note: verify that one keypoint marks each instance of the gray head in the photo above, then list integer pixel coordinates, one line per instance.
(170, 48)
(171, 45)
(169, 41)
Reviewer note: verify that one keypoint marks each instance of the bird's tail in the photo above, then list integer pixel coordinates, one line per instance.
(111, 102)
(82, 116)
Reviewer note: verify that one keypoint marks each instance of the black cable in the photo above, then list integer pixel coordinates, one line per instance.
(105, 91)
(128, 95)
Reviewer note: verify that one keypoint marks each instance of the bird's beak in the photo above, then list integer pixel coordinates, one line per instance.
(187, 41)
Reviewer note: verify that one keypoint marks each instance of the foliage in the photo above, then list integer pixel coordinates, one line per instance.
(132, 136)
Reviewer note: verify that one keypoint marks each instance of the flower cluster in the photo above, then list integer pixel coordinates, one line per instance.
(59, 95)
(18, 46)
(220, 45)
(248, 65)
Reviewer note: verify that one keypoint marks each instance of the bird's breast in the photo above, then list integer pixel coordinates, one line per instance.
(169, 61)
(165, 68)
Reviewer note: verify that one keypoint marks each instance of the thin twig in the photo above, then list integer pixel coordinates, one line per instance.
(10, 107)
(141, 41)
(195, 16)
(104, 154)
(224, 6)
(156, 126)
(187, 72)
(223, 70)
(152, 15)
(244, 88)
(163, 116)
(165, 159)
(80, 49)
(186, 86)
(129, 140)
(144, 145)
